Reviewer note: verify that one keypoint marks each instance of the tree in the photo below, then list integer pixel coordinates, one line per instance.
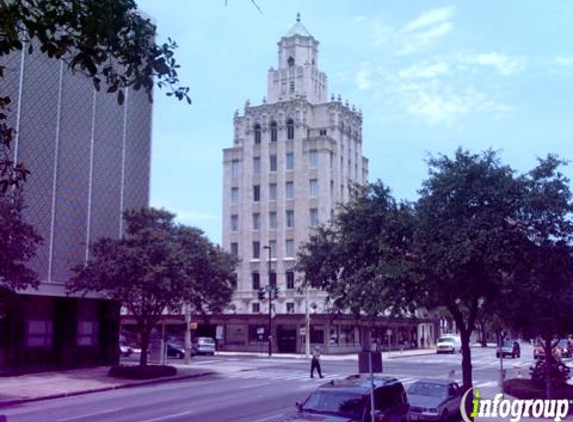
(463, 239)
(107, 40)
(539, 297)
(18, 241)
(361, 258)
(157, 266)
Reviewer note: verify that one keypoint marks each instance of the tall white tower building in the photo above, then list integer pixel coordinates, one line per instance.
(292, 160)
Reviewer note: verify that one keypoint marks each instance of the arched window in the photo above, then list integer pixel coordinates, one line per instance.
(273, 131)
(257, 132)
(290, 61)
(290, 129)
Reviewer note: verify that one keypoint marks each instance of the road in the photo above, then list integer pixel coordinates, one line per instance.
(263, 391)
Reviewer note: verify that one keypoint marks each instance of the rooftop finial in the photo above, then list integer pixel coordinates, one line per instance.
(298, 17)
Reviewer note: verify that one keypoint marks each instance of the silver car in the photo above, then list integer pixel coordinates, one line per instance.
(434, 399)
(204, 346)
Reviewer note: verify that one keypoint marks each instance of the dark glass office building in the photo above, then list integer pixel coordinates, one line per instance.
(89, 160)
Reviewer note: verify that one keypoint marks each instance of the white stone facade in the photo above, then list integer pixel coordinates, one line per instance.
(292, 160)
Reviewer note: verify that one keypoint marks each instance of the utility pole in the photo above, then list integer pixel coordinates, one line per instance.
(187, 333)
(306, 326)
(270, 296)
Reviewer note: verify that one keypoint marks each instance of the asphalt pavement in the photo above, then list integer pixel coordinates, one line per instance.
(246, 389)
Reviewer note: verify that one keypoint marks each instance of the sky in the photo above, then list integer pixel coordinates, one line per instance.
(429, 77)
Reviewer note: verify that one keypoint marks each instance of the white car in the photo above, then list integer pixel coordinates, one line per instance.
(449, 344)
(204, 346)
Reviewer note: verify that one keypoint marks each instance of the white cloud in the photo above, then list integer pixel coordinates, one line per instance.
(416, 34)
(424, 70)
(566, 61)
(363, 75)
(436, 103)
(504, 64)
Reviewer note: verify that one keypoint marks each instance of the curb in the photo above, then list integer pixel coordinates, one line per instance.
(13, 402)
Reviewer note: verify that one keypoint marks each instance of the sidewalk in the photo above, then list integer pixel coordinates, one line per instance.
(51, 385)
(325, 357)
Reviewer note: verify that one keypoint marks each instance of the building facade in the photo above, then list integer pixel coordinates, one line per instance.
(292, 161)
(89, 160)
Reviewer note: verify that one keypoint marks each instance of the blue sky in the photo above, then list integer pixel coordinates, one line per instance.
(428, 76)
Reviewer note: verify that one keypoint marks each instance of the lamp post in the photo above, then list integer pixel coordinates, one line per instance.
(270, 296)
(187, 333)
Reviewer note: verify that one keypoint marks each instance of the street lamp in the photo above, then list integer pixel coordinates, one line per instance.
(270, 296)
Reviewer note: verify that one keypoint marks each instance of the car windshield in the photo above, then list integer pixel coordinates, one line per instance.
(446, 340)
(206, 341)
(429, 389)
(507, 344)
(337, 403)
(563, 343)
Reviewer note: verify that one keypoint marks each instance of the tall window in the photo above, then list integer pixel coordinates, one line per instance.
(273, 131)
(289, 248)
(256, 165)
(290, 280)
(256, 250)
(234, 195)
(273, 162)
(272, 192)
(87, 333)
(273, 246)
(290, 219)
(291, 85)
(234, 222)
(290, 307)
(235, 169)
(313, 159)
(40, 333)
(273, 279)
(289, 190)
(256, 221)
(272, 220)
(313, 188)
(256, 308)
(290, 129)
(235, 249)
(256, 278)
(322, 132)
(257, 133)
(290, 161)
(313, 217)
(256, 193)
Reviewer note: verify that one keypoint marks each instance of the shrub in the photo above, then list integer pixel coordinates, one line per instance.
(559, 373)
(522, 388)
(138, 372)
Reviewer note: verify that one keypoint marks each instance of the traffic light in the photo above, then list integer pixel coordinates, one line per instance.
(262, 295)
(275, 292)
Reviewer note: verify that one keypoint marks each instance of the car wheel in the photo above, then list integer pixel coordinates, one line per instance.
(513, 355)
(445, 416)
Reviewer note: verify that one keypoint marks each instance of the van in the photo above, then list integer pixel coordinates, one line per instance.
(449, 343)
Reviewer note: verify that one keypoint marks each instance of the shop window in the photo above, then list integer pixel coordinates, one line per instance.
(40, 333)
(87, 333)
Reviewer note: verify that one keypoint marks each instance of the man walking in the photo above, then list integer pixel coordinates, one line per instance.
(315, 363)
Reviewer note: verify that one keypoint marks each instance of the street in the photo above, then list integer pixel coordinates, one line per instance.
(262, 390)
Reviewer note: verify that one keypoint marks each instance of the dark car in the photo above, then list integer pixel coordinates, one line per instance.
(565, 348)
(509, 348)
(434, 399)
(348, 400)
(175, 351)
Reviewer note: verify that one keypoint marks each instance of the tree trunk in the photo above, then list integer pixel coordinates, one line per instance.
(483, 334)
(466, 367)
(548, 367)
(145, 334)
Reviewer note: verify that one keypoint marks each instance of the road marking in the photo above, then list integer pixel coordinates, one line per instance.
(174, 415)
(267, 418)
(87, 415)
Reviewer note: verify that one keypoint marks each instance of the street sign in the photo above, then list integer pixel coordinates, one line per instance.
(389, 332)
(219, 332)
(260, 330)
(302, 331)
(192, 325)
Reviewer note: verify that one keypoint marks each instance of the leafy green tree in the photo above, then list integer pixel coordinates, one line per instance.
(539, 297)
(107, 40)
(18, 241)
(361, 258)
(464, 239)
(157, 266)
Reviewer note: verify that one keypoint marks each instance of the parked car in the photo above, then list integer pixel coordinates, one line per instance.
(565, 348)
(125, 351)
(449, 344)
(204, 346)
(348, 400)
(175, 351)
(509, 348)
(539, 350)
(434, 399)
